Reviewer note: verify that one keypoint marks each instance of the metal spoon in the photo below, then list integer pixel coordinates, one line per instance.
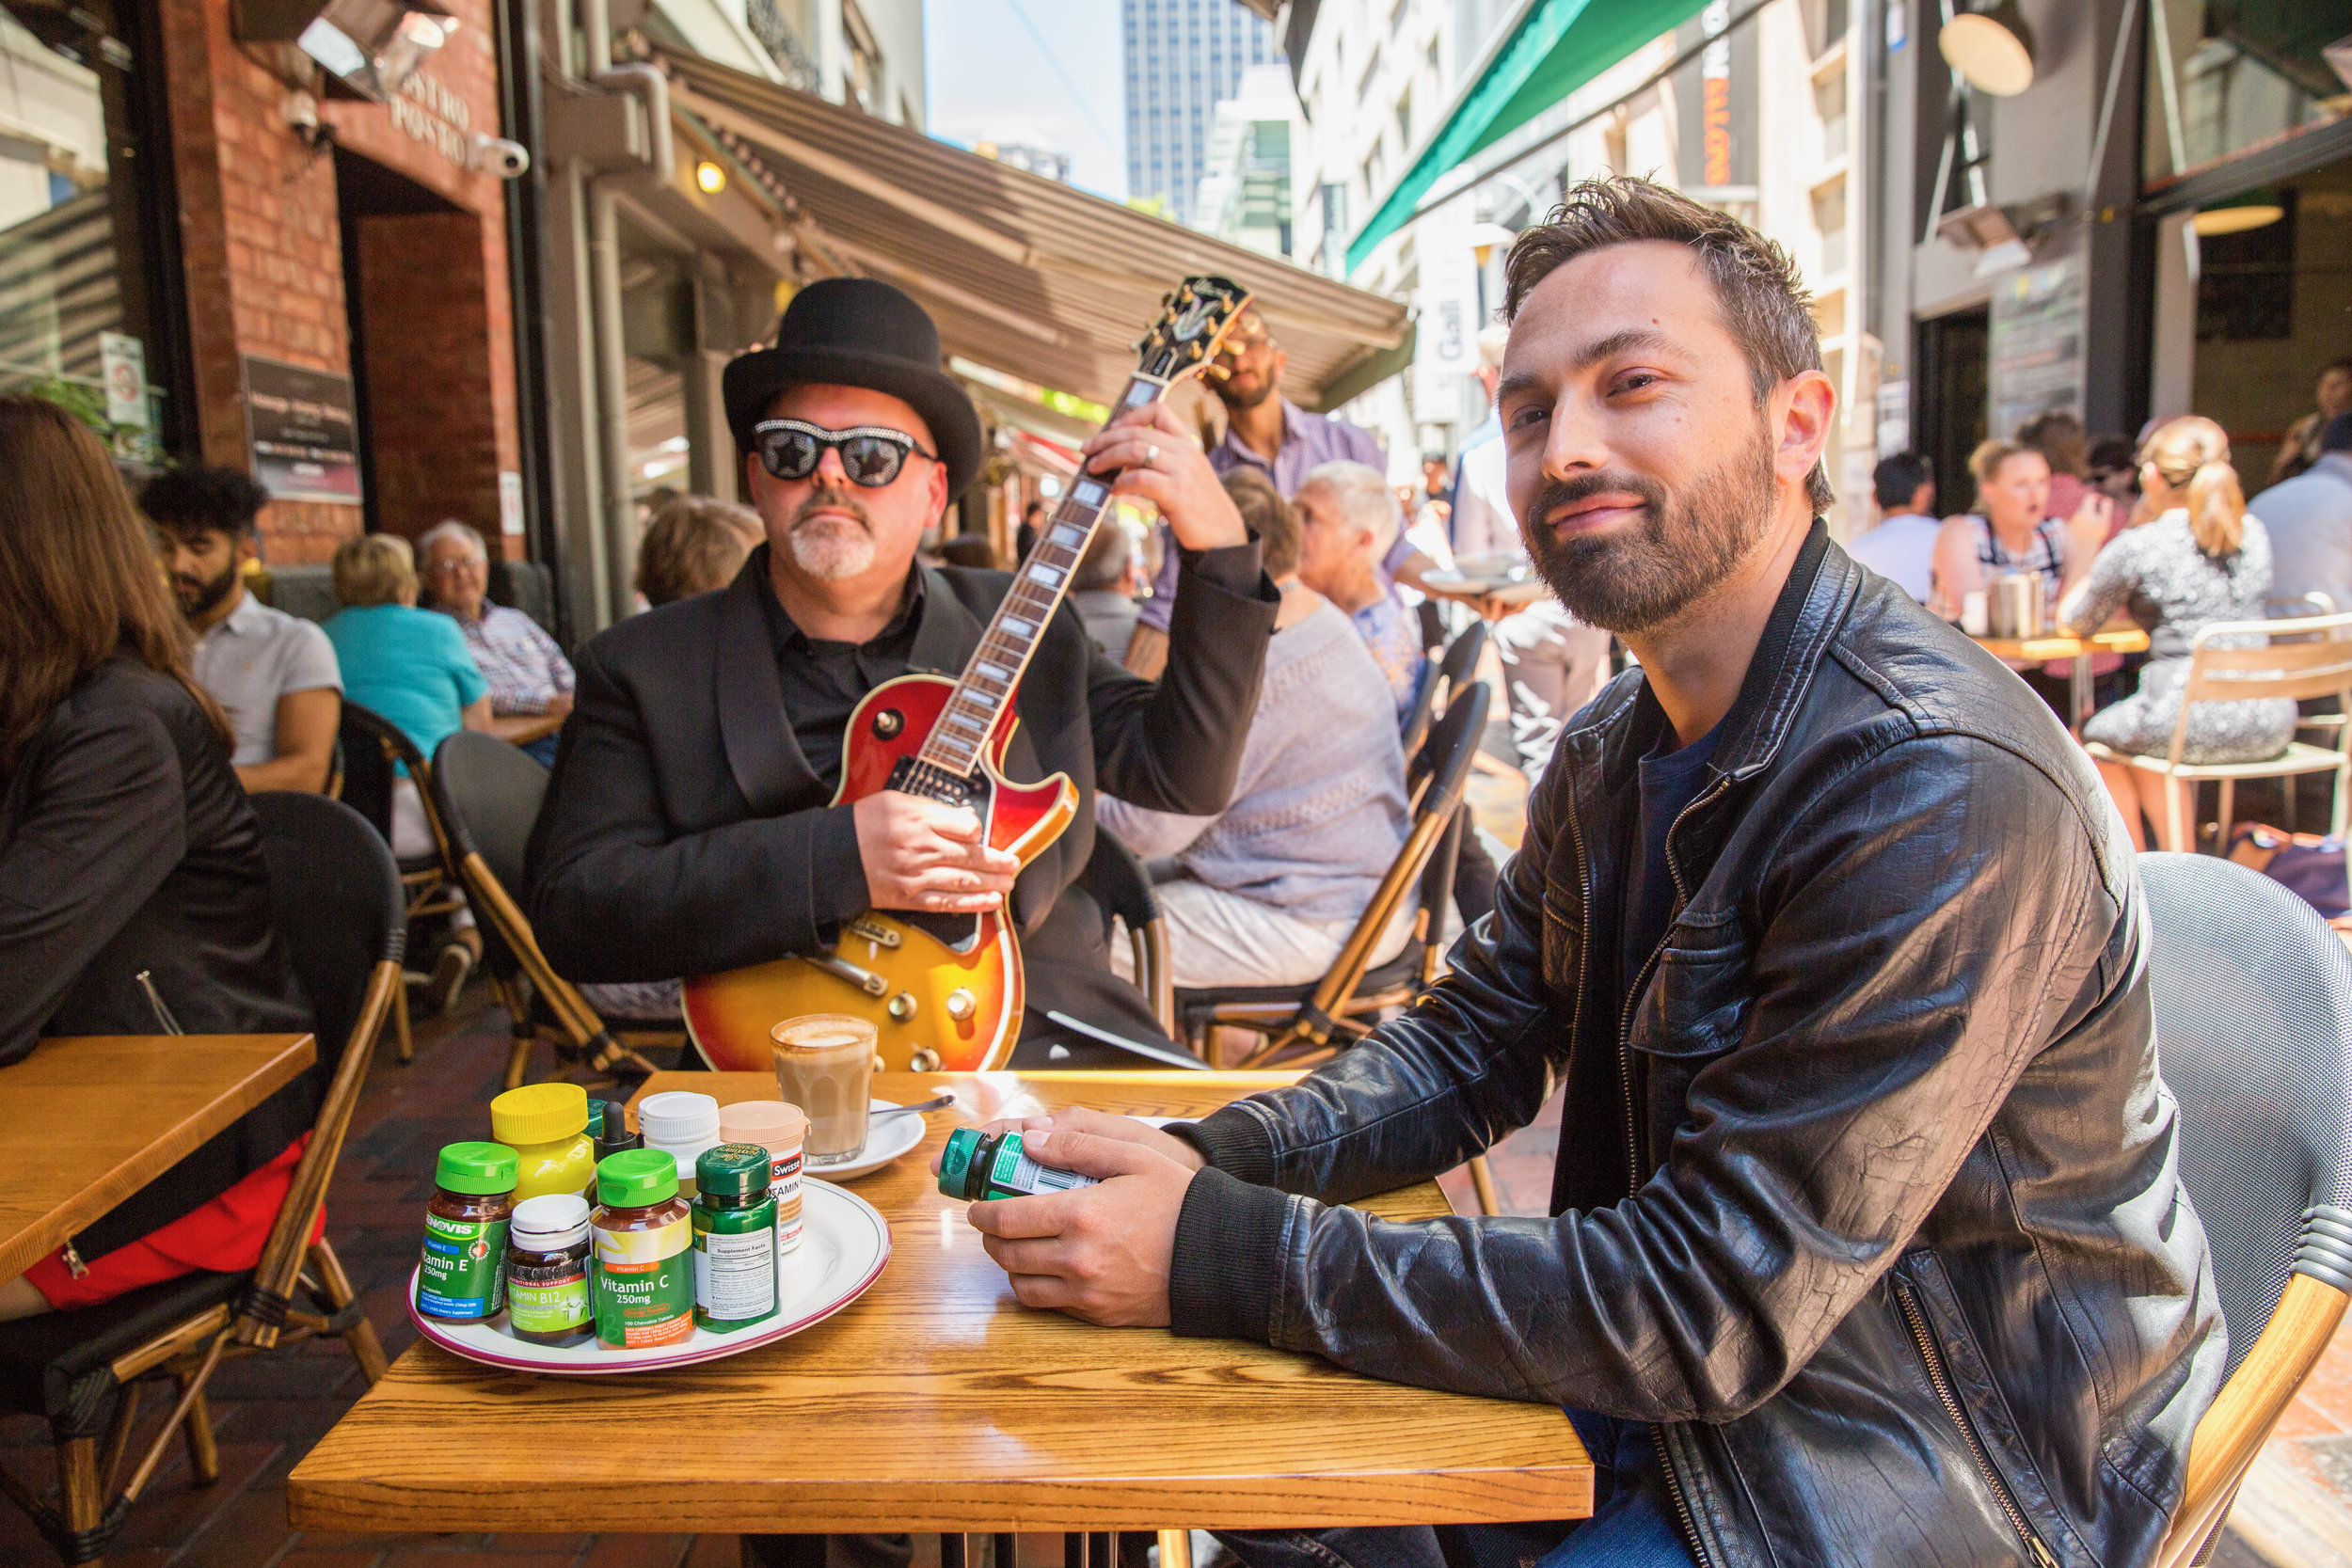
(938, 1103)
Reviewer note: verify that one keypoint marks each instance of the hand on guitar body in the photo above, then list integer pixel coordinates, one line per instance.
(1158, 460)
(920, 854)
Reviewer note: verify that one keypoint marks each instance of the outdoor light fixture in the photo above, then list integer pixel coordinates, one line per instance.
(370, 47)
(1993, 50)
(711, 178)
(2257, 209)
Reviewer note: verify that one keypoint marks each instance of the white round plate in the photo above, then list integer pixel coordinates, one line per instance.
(885, 1141)
(1510, 590)
(844, 1244)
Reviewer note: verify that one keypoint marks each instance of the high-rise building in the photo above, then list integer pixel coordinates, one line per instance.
(1184, 59)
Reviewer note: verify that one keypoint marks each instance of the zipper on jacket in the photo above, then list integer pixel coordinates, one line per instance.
(1939, 1379)
(1682, 1504)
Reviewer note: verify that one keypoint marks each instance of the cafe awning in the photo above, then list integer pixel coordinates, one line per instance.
(1023, 273)
(1544, 52)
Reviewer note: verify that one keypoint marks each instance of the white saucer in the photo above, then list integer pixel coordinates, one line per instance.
(885, 1141)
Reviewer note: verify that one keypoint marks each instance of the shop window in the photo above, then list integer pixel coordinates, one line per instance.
(1829, 101)
(1829, 216)
(2226, 75)
(866, 59)
(2245, 281)
(88, 301)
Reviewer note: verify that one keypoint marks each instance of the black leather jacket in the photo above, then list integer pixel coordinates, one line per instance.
(1868, 1199)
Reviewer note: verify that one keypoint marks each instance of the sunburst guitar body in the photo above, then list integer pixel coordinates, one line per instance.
(945, 991)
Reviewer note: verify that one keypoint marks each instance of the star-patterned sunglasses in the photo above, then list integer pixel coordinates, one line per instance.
(871, 454)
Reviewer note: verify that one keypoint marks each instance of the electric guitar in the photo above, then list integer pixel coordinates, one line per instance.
(944, 991)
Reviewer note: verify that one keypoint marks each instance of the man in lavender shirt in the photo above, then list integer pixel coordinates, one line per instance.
(1265, 430)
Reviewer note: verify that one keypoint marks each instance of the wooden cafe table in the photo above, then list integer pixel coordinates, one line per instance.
(87, 1122)
(2116, 637)
(935, 1403)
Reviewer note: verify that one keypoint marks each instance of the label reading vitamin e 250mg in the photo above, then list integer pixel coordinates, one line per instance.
(463, 1269)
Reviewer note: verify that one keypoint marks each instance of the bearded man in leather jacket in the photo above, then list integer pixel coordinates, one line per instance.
(1866, 1244)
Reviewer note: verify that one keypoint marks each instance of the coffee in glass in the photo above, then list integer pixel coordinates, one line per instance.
(825, 1066)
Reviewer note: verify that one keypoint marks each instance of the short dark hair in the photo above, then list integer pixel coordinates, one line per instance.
(2060, 439)
(192, 500)
(2336, 434)
(1267, 517)
(1897, 479)
(1765, 303)
(1106, 560)
(2113, 454)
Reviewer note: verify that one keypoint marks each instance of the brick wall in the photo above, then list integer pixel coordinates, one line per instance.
(265, 265)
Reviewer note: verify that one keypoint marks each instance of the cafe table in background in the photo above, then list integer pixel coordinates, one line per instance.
(2115, 638)
(88, 1120)
(937, 1404)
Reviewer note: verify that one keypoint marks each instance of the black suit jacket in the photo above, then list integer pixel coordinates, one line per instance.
(679, 831)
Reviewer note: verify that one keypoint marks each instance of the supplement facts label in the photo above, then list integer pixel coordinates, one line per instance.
(463, 1269)
(735, 1277)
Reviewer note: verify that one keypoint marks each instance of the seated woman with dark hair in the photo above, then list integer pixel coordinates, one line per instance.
(126, 845)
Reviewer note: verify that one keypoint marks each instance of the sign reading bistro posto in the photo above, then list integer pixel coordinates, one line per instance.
(302, 431)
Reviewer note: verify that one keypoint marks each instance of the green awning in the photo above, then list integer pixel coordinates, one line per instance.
(1550, 48)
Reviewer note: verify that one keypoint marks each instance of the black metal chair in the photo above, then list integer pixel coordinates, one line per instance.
(486, 796)
(1121, 886)
(370, 750)
(2253, 996)
(1302, 1022)
(1443, 677)
(337, 902)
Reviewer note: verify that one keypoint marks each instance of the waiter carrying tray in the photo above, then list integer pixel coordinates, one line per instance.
(687, 828)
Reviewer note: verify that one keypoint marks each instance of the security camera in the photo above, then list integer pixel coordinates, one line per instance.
(300, 112)
(508, 160)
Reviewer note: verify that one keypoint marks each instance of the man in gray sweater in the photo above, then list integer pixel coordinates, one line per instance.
(1273, 884)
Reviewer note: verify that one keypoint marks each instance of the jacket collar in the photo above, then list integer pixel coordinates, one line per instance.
(762, 753)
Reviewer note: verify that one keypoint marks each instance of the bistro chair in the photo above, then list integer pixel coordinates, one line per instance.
(1300, 1022)
(2253, 996)
(487, 795)
(370, 750)
(1122, 889)
(2316, 662)
(2308, 726)
(1440, 681)
(336, 901)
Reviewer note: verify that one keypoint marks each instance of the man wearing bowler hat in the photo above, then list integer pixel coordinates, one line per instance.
(687, 828)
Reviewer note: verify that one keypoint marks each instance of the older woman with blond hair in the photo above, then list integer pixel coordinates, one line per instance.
(2204, 558)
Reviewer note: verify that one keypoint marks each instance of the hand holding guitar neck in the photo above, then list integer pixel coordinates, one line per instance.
(922, 854)
(1158, 460)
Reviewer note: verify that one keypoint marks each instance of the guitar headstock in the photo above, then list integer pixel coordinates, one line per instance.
(1192, 323)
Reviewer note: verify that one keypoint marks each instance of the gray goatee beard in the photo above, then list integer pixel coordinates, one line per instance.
(829, 549)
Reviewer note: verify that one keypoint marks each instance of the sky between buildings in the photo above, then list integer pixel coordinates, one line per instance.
(990, 70)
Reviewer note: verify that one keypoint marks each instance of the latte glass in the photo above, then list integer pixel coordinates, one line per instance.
(825, 1066)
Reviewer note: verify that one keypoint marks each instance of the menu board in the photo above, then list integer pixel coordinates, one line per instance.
(2035, 350)
(302, 432)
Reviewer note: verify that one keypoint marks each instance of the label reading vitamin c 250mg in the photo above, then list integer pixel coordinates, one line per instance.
(644, 1286)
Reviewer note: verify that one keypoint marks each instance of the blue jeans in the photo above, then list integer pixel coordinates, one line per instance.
(1632, 1524)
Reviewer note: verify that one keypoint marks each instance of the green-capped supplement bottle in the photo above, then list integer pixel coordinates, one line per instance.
(644, 1276)
(547, 1272)
(735, 1238)
(979, 1164)
(462, 1275)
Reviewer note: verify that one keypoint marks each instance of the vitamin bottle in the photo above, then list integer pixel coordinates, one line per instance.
(462, 1275)
(681, 1124)
(735, 1238)
(979, 1164)
(547, 1272)
(546, 1125)
(782, 1129)
(644, 1275)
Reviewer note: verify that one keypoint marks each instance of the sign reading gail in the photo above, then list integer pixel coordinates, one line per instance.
(302, 428)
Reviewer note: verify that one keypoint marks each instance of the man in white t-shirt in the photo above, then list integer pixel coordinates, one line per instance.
(1903, 547)
(273, 673)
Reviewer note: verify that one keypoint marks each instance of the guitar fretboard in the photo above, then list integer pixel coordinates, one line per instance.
(960, 738)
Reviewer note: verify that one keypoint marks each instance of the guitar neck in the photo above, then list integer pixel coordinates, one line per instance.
(985, 693)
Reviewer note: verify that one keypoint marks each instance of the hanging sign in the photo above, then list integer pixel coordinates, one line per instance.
(1445, 334)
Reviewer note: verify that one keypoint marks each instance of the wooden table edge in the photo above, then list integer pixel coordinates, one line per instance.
(158, 1156)
(1563, 1490)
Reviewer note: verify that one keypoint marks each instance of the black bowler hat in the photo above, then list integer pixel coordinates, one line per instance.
(858, 332)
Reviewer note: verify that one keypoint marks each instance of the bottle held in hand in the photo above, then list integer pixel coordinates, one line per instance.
(979, 1164)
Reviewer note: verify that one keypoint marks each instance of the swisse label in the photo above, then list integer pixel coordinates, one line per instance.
(644, 1286)
(783, 1185)
(463, 1268)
